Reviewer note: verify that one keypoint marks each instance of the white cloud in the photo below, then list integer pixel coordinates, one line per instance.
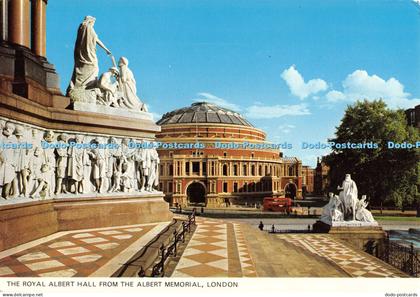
(286, 129)
(297, 85)
(416, 2)
(207, 97)
(334, 95)
(360, 85)
(275, 111)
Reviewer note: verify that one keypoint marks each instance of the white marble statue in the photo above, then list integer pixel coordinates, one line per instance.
(346, 209)
(128, 88)
(108, 85)
(86, 68)
(362, 214)
(348, 196)
(331, 212)
(99, 156)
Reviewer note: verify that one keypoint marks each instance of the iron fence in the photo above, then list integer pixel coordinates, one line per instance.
(405, 258)
(165, 252)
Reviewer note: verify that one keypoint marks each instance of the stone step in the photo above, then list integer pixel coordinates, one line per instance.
(275, 257)
(150, 254)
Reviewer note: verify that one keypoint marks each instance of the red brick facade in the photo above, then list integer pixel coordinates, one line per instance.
(218, 177)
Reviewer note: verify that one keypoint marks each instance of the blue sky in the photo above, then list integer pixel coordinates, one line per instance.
(290, 67)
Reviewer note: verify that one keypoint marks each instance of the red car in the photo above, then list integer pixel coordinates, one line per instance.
(278, 204)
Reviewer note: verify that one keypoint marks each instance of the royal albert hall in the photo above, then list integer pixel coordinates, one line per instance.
(207, 175)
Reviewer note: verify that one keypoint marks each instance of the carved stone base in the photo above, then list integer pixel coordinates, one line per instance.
(24, 222)
(363, 237)
(114, 111)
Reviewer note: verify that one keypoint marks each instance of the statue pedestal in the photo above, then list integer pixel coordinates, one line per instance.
(113, 111)
(361, 235)
(24, 222)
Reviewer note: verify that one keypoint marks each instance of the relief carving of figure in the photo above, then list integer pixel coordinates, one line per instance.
(48, 165)
(153, 180)
(99, 156)
(2, 138)
(61, 169)
(37, 178)
(78, 157)
(22, 164)
(8, 174)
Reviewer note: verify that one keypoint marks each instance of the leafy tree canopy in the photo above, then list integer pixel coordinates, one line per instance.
(384, 175)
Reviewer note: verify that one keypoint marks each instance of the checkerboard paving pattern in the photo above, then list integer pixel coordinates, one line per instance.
(357, 264)
(75, 253)
(247, 264)
(217, 249)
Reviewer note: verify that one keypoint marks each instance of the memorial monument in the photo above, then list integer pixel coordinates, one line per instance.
(347, 217)
(68, 162)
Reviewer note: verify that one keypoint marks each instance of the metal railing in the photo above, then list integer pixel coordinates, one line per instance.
(273, 230)
(158, 270)
(406, 259)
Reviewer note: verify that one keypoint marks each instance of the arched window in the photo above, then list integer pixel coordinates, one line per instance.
(252, 169)
(235, 169)
(244, 170)
(225, 169)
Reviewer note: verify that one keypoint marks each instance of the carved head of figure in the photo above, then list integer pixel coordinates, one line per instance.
(114, 71)
(34, 133)
(126, 141)
(19, 131)
(37, 151)
(64, 137)
(2, 124)
(49, 136)
(348, 177)
(9, 129)
(89, 20)
(79, 138)
(123, 62)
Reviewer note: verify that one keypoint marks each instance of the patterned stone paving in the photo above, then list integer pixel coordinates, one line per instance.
(355, 263)
(75, 253)
(217, 249)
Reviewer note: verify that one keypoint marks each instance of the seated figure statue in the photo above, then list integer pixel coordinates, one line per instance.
(108, 84)
(128, 88)
(331, 212)
(362, 214)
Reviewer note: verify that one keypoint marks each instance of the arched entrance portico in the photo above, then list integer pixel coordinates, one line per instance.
(196, 194)
(290, 190)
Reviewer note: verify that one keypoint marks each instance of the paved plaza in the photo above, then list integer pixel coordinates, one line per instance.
(90, 252)
(218, 248)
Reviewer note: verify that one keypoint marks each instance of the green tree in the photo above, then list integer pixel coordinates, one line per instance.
(389, 176)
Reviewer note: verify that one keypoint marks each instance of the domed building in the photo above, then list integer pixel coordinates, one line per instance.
(212, 156)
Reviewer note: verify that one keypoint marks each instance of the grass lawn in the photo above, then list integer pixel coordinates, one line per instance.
(407, 219)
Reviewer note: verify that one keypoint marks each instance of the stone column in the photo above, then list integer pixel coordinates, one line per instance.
(19, 22)
(39, 28)
(4, 19)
